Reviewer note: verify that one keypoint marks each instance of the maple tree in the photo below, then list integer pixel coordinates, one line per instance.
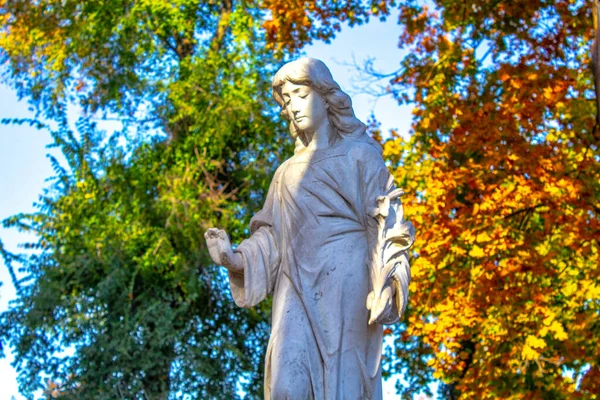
(292, 24)
(503, 164)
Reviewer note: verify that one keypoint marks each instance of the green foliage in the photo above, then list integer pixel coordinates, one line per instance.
(122, 279)
(118, 299)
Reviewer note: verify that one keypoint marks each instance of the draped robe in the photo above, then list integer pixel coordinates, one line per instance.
(310, 248)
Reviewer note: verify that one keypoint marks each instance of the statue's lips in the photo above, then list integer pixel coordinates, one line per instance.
(298, 119)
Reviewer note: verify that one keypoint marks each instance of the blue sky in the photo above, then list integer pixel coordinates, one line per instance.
(24, 165)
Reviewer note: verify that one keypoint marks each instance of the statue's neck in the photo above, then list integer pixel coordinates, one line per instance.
(319, 139)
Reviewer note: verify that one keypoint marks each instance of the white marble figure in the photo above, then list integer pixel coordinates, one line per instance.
(330, 244)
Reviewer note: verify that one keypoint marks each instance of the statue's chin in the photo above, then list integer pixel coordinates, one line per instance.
(300, 138)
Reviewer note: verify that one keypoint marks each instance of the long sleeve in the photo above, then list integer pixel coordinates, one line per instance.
(260, 255)
(260, 258)
(377, 184)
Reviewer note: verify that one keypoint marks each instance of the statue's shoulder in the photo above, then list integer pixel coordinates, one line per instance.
(364, 149)
(281, 168)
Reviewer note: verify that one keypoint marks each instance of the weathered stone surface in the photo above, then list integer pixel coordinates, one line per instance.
(330, 244)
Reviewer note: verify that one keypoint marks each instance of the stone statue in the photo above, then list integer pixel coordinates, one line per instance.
(330, 244)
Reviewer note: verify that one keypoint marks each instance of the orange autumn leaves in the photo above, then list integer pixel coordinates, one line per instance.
(291, 24)
(504, 167)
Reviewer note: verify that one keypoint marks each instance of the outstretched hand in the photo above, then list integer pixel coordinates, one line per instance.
(220, 250)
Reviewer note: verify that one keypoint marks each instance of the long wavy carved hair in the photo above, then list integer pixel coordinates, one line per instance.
(315, 74)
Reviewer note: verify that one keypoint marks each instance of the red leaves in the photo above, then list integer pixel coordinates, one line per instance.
(506, 193)
(295, 23)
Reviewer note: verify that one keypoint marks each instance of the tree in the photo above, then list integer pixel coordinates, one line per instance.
(118, 298)
(503, 165)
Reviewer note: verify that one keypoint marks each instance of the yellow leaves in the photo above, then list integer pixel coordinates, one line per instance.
(543, 248)
(574, 272)
(549, 318)
(438, 192)
(476, 252)
(437, 374)
(550, 324)
(552, 136)
(592, 289)
(476, 272)
(445, 333)
(569, 288)
(418, 219)
(457, 250)
(483, 237)
(559, 331)
(558, 188)
(420, 268)
(532, 347)
(529, 354)
(468, 236)
(393, 148)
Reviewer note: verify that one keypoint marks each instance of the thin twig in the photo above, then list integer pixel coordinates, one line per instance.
(522, 211)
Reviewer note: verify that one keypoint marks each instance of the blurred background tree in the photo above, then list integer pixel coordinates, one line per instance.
(503, 162)
(118, 299)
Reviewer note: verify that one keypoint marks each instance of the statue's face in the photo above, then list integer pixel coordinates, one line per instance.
(305, 107)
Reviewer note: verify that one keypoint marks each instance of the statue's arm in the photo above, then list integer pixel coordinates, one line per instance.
(253, 264)
(219, 245)
(390, 263)
(389, 237)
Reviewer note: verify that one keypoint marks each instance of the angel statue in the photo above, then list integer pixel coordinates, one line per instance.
(330, 245)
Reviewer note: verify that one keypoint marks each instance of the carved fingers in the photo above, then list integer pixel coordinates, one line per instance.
(220, 250)
(215, 233)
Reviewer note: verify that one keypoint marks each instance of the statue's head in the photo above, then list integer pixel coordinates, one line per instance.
(308, 75)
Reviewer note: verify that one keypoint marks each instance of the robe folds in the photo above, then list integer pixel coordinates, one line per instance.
(310, 247)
